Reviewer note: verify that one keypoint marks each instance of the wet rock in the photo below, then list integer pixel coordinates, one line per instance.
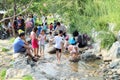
(88, 56)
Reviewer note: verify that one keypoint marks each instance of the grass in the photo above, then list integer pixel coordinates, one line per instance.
(5, 49)
(12, 39)
(2, 74)
(27, 77)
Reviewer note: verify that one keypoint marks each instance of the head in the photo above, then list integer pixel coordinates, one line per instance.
(20, 17)
(22, 35)
(43, 32)
(39, 24)
(60, 33)
(75, 33)
(35, 29)
(58, 23)
(51, 23)
(50, 33)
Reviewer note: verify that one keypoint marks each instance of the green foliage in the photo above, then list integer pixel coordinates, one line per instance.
(2, 74)
(27, 77)
(107, 39)
(5, 50)
(12, 40)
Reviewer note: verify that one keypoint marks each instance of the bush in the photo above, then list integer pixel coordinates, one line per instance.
(2, 74)
(107, 39)
(5, 50)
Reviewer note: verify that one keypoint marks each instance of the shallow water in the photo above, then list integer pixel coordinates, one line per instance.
(76, 71)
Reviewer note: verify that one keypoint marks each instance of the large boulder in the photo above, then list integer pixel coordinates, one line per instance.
(114, 51)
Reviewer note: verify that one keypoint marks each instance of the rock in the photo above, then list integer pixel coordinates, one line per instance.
(114, 64)
(74, 60)
(52, 50)
(114, 51)
(88, 56)
(110, 73)
(118, 71)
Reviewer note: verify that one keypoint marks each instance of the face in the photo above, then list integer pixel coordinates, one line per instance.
(23, 37)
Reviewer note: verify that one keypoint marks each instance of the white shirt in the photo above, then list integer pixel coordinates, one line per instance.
(58, 41)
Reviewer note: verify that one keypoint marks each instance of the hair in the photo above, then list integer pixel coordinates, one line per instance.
(60, 32)
(58, 23)
(35, 29)
(75, 33)
(43, 31)
(22, 34)
(50, 32)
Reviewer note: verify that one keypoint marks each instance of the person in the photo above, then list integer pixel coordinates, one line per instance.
(66, 43)
(73, 49)
(34, 41)
(49, 38)
(55, 24)
(21, 47)
(28, 25)
(39, 29)
(59, 45)
(42, 39)
(60, 27)
(45, 26)
(51, 26)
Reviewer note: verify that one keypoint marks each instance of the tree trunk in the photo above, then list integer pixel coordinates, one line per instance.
(14, 17)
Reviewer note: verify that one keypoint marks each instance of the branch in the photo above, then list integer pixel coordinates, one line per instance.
(18, 13)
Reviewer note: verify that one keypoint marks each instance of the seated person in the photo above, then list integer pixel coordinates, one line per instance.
(21, 47)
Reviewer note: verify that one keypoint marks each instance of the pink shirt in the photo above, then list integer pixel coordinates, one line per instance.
(28, 24)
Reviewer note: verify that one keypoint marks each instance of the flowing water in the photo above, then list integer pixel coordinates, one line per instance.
(74, 71)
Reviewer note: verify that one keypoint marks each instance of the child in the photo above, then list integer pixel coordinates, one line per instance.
(73, 49)
(66, 44)
(42, 39)
(58, 45)
(39, 29)
(50, 37)
(34, 41)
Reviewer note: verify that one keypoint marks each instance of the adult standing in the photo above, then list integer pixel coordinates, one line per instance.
(60, 27)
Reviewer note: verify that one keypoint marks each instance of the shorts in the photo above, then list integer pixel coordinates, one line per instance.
(59, 50)
(22, 50)
(42, 47)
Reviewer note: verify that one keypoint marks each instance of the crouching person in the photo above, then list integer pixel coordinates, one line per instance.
(74, 53)
(21, 47)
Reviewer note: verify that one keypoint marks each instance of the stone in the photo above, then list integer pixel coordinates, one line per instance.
(118, 71)
(87, 56)
(110, 73)
(114, 64)
(114, 51)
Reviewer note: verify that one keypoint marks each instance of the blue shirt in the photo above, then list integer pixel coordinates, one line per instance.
(39, 29)
(18, 44)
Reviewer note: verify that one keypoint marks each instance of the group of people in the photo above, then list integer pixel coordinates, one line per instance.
(57, 36)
